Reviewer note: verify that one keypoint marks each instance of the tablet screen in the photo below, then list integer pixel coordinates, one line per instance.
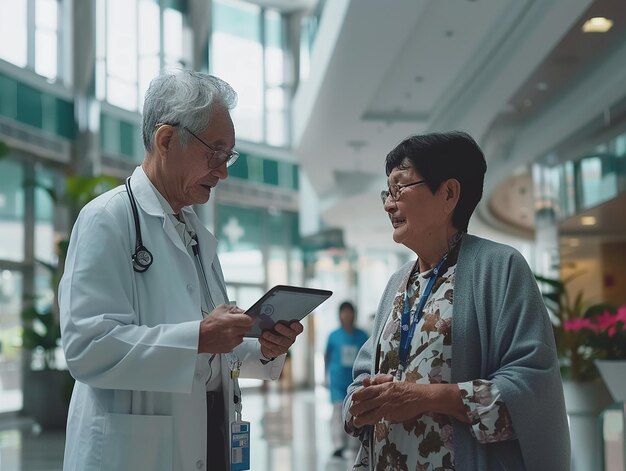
(284, 304)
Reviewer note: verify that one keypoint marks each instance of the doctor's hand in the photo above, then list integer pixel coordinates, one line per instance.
(277, 341)
(223, 329)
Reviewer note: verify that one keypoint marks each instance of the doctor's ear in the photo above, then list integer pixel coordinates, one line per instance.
(163, 138)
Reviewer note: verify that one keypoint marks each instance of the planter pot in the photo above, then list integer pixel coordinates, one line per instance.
(46, 397)
(584, 401)
(613, 373)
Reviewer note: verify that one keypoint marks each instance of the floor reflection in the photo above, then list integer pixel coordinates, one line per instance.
(289, 431)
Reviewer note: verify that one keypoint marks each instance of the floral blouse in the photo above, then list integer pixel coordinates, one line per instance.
(427, 442)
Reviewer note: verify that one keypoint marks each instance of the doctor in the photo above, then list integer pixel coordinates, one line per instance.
(146, 326)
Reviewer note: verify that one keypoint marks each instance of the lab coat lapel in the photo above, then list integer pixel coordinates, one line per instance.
(148, 202)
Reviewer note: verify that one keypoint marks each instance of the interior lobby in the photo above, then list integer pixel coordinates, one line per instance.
(326, 88)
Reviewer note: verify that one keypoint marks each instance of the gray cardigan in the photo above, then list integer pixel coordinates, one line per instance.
(500, 332)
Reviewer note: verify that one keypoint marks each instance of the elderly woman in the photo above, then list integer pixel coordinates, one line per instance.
(461, 370)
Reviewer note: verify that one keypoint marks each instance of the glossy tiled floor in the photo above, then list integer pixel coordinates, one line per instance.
(289, 431)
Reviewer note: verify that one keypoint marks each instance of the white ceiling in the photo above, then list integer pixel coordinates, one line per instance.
(382, 70)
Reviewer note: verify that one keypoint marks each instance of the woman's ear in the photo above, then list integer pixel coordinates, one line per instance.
(163, 139)
(452, 193)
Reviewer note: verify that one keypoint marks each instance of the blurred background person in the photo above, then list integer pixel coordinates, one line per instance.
(341, 349)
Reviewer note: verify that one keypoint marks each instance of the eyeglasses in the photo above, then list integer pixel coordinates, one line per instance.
(395, 191)
(219, 155)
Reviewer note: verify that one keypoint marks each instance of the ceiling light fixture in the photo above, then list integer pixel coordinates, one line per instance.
(588, 220)
(597, 24)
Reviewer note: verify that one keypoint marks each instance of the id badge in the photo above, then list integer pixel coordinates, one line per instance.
(240, 446)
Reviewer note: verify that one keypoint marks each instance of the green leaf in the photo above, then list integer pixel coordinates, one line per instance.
(599, 309)
(48, 189)
(558, 285)
(81, 190)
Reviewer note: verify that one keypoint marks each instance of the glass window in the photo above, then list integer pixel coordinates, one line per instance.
(31, 21)
(46, 37)
(598, 183)
(237, 57)
(172, 38)
(11, 211)
(10, 341)
(308, 31)
(13, 32)
(248, 51)
(121, 54)
(45, 238)
(137, 40)
(620, 145)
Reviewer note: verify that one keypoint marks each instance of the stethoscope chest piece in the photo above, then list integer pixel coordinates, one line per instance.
(142, 259)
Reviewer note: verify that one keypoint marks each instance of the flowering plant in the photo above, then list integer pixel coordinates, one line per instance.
(604, 332)
(576, 353)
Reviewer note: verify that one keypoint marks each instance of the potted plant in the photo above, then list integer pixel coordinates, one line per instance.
(605, 333)
(575, 355)
(47, 382)
(586, 395)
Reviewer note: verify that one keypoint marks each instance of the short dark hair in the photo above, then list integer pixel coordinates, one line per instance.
(441, 156)
(347, 305)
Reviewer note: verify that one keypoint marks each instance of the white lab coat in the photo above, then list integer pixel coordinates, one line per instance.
(131, 339)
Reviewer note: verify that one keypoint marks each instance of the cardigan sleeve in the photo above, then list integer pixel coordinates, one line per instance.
(522, 361)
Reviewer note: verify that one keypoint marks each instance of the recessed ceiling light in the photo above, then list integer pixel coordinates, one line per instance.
(542, 86)
(528, 102)
(598, 24)
(588, 220)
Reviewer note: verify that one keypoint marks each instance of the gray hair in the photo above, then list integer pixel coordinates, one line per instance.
(184, 98)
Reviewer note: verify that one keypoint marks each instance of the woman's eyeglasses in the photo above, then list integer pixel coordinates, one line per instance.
(395, 191)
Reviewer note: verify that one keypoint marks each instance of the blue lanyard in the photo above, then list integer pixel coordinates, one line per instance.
(407, 328)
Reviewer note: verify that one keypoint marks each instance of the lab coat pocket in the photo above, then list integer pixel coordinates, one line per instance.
(137, 442)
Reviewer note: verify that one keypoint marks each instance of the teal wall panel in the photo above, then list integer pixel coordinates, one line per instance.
(263, 170)
(120, 138)
(29, 105)
(240, 168)
(255, 169)
(270, 172)
(8, 97)
(296, 178)
(127, 138)
(65, 124)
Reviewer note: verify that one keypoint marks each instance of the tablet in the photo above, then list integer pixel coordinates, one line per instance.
(284, 304)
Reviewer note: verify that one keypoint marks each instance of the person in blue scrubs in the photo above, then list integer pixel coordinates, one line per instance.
(341, 350)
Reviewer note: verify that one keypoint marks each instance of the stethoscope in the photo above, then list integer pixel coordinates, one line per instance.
(142, 258)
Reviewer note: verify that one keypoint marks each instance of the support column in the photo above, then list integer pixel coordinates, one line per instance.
(547, 260)
(86, 158)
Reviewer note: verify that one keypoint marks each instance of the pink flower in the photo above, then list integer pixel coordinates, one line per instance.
(604, 321)
(578, 324)
(621, 314)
